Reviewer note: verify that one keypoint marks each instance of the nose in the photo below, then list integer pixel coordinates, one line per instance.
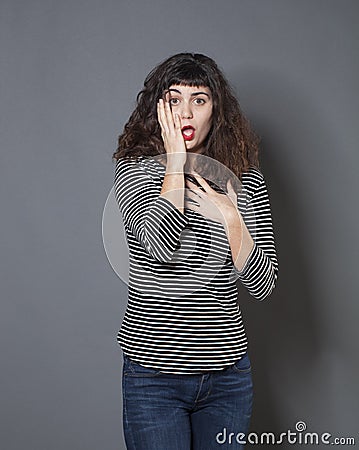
(186, 111)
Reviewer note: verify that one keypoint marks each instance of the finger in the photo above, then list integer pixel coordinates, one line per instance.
(192, 206)
(202, 181)
(168, 108)
(162, 116)
(177, 122)
(190, 199)
(190, 194)
(159, 113)
(189, 181)
(193, 187)
(159, 118)
(169, 116)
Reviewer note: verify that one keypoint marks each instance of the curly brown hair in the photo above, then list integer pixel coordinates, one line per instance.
(231, 141)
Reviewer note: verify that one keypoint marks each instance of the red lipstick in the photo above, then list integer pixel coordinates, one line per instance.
(188, 132)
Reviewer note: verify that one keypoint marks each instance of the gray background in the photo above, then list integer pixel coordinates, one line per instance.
(70, 72)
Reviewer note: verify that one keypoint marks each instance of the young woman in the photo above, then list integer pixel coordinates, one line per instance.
(197, 218)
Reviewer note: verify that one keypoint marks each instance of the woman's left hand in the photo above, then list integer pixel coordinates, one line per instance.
(218, 207)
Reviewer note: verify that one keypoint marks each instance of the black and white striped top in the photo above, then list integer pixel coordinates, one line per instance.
(182, 315)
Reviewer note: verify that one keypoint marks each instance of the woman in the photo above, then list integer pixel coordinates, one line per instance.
(197, 218)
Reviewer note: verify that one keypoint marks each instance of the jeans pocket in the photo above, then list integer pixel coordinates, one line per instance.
(133, 369)
(243, 365)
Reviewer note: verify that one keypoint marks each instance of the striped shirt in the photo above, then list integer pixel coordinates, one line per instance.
(182, 315)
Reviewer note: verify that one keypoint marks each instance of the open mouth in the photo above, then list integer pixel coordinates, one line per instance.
(188, 132)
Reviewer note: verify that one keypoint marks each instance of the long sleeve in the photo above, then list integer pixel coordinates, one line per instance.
(154, 221)
(260, 271)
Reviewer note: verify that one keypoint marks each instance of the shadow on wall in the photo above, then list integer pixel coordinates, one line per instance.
(284, 331)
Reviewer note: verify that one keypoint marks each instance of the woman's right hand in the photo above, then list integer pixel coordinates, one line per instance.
(171, 134)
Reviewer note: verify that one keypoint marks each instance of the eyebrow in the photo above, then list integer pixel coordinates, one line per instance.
(192, 95)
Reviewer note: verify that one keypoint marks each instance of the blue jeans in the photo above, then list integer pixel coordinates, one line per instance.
(204, 411)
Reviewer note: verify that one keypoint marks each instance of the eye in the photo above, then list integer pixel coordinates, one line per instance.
(200, 101)
(173, 101)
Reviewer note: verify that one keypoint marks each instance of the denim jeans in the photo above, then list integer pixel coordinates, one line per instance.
(204, 411)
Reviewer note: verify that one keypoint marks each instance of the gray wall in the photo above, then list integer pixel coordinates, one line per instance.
(70, 72)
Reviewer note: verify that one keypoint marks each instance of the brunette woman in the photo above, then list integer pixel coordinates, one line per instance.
(197, 218)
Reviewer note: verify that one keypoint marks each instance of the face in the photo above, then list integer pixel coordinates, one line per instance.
(194, 107)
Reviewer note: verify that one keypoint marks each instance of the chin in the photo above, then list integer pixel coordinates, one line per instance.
(190, 145)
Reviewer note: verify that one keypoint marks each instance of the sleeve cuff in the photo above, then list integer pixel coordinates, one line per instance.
(247, 265)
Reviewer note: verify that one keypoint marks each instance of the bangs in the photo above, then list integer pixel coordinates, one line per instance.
(188, 75)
